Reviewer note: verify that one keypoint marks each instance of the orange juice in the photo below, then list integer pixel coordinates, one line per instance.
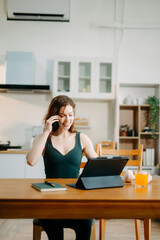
(141, 179)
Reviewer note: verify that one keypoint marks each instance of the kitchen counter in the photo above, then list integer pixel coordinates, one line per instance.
(13, 151)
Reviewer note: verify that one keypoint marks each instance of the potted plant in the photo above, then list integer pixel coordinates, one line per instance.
(154, 114)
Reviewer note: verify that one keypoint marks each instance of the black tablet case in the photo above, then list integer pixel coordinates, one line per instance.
(102, 172)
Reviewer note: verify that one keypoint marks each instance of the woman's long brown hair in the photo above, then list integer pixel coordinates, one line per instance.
(55, 106)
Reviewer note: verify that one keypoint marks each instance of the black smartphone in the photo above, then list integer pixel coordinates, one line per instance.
(55, 126)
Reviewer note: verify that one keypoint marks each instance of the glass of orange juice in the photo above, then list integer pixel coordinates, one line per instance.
(141, 178)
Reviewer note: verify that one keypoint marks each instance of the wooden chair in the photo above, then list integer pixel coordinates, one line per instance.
(104, 145)
(133, 161)
(107, 144)
(37, 228)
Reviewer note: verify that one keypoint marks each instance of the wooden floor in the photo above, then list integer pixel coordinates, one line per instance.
(115, 230)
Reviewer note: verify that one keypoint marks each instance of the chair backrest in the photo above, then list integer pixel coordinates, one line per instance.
(82, 165)
(107, 144)
(136, 154)
(104, 145)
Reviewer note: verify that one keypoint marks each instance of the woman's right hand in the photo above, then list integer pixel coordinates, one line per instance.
(49, 122)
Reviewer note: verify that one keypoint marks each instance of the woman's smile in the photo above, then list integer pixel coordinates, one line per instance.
(67, 116)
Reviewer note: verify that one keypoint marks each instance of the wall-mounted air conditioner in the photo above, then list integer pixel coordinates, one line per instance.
(38, 10)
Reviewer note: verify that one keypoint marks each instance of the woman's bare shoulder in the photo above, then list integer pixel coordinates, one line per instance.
(85, 140)
(84, 136)
(87, 146)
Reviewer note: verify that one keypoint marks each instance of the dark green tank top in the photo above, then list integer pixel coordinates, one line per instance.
(58, 165)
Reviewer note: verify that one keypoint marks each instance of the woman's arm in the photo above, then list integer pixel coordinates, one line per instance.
(39, 142)
(87, 146)
(38, 146)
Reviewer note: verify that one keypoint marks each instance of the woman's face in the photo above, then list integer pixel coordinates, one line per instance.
(67, 117)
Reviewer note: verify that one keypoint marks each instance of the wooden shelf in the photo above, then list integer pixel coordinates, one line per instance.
(82, 127)
(148, 133)
(130, 106)
(134, 105)
(128, 137)
(137, 117)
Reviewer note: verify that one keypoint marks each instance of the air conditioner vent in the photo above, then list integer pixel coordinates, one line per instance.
(37, 16)
(38, 10)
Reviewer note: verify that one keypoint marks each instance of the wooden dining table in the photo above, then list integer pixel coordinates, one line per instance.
(19, 200)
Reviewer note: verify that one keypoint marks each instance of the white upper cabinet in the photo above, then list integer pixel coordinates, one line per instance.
(63, 75)
(85, 81)
(86, 78)
(104, 79)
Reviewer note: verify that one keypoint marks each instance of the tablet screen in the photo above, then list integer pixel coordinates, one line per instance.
(104, 166)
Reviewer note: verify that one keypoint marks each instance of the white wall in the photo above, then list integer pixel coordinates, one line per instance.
(139, 49)
(136, 53)
(76, 38)
(101, 119)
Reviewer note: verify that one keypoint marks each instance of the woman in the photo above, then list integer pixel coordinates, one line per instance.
(62, 152)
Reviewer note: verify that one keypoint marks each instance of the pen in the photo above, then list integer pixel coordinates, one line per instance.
(49, 183)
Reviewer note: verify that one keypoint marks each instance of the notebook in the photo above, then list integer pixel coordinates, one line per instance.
(102, 172)
(43, 187)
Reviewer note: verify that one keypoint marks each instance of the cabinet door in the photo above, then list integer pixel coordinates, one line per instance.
(12, 165)
(37, 171)
(85, 78)
(104, 79)
(63, 77)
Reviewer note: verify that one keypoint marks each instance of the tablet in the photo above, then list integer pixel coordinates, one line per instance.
(102, 172)
(104, 166)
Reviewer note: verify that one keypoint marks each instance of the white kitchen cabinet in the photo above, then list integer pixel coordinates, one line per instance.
(104, 79)
(63, 77)
(37, 171)
(85, 78)
(12, 165)
(15, 166)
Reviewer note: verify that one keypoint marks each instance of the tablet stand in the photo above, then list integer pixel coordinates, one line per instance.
(100, 182)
